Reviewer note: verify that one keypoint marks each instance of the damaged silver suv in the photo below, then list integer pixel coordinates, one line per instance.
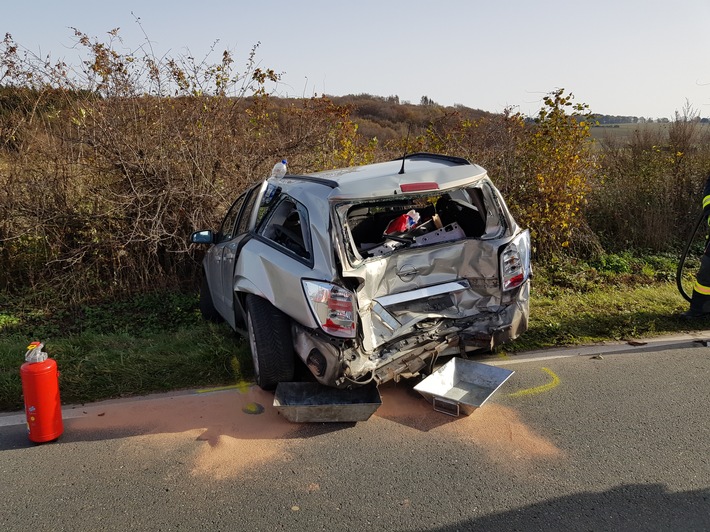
(368, 273)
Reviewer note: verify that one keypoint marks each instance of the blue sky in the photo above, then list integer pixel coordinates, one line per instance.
(624, 57)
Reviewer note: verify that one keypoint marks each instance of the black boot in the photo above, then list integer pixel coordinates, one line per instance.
(699, 306)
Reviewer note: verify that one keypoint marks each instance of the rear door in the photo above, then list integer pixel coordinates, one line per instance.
(230, 248)
(214, 264)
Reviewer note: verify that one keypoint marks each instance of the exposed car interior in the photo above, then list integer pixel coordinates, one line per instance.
(439, 219)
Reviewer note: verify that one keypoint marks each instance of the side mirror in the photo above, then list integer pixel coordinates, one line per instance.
(202, 237)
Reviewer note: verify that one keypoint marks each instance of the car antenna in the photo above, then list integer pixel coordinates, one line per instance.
(404, 157)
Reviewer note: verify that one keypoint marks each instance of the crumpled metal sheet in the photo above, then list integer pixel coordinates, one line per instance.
(473, 261)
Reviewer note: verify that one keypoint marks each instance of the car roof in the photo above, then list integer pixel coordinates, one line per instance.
(418, 172)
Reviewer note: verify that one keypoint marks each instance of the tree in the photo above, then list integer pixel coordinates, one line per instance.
(557, 163)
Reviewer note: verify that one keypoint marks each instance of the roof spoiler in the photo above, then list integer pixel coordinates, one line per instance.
(433, 157)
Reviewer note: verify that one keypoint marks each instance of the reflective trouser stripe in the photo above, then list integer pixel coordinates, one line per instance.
(701, 289)
(706, 201)
(705, 290)
(702, 279)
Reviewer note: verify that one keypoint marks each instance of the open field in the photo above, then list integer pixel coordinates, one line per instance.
(624, 133)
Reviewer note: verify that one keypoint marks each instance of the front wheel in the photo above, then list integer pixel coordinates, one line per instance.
(271, 343)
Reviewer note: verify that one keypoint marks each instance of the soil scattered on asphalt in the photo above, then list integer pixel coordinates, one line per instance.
(239, 429)
(496, 429)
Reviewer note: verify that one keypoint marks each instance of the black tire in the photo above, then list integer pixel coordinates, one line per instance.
(206, 305)
(271, 343)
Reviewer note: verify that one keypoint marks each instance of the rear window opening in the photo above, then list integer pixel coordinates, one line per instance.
(382, 227)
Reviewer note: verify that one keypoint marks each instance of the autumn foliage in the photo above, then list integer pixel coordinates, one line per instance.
(108, 170)
(542, 165)
(109, 165)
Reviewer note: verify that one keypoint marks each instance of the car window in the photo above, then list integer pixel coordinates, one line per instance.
(287, 226)
(268, 200)
(243, 222)
(236, 221)
(226, 230)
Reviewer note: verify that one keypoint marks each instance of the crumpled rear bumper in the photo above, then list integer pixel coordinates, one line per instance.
(483, 333)
(407, 356)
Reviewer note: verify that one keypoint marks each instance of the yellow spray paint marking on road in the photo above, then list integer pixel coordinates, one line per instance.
(539, 389)
(243, 387)
(218, 389)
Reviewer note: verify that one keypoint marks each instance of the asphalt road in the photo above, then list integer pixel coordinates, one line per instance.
(614, 438)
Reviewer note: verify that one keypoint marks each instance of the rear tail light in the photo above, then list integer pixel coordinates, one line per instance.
(333, 307)
(515, 261)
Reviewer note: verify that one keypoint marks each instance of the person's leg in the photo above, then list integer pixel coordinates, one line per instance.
(700, 301)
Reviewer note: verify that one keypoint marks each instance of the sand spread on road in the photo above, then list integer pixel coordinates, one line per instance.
(240, 428)
(496, 429)
(236, 430)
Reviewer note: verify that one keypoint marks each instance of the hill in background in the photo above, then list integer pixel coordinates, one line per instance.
(389, 119)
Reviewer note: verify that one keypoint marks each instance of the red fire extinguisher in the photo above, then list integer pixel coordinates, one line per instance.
(40, 387)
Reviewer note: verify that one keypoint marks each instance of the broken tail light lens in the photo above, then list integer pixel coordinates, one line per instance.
(333, 307)
(515, 261)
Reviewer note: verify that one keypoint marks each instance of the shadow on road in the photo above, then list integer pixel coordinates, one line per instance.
(626, 507)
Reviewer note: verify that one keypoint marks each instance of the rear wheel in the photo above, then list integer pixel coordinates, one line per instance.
(271, 343)
(207, 305)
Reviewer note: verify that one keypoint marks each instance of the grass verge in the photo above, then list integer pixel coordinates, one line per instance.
(123, 349)
(158, 342)
(605, 315)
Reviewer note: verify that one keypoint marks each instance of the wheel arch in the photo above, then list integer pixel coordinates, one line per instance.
(243, 288)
